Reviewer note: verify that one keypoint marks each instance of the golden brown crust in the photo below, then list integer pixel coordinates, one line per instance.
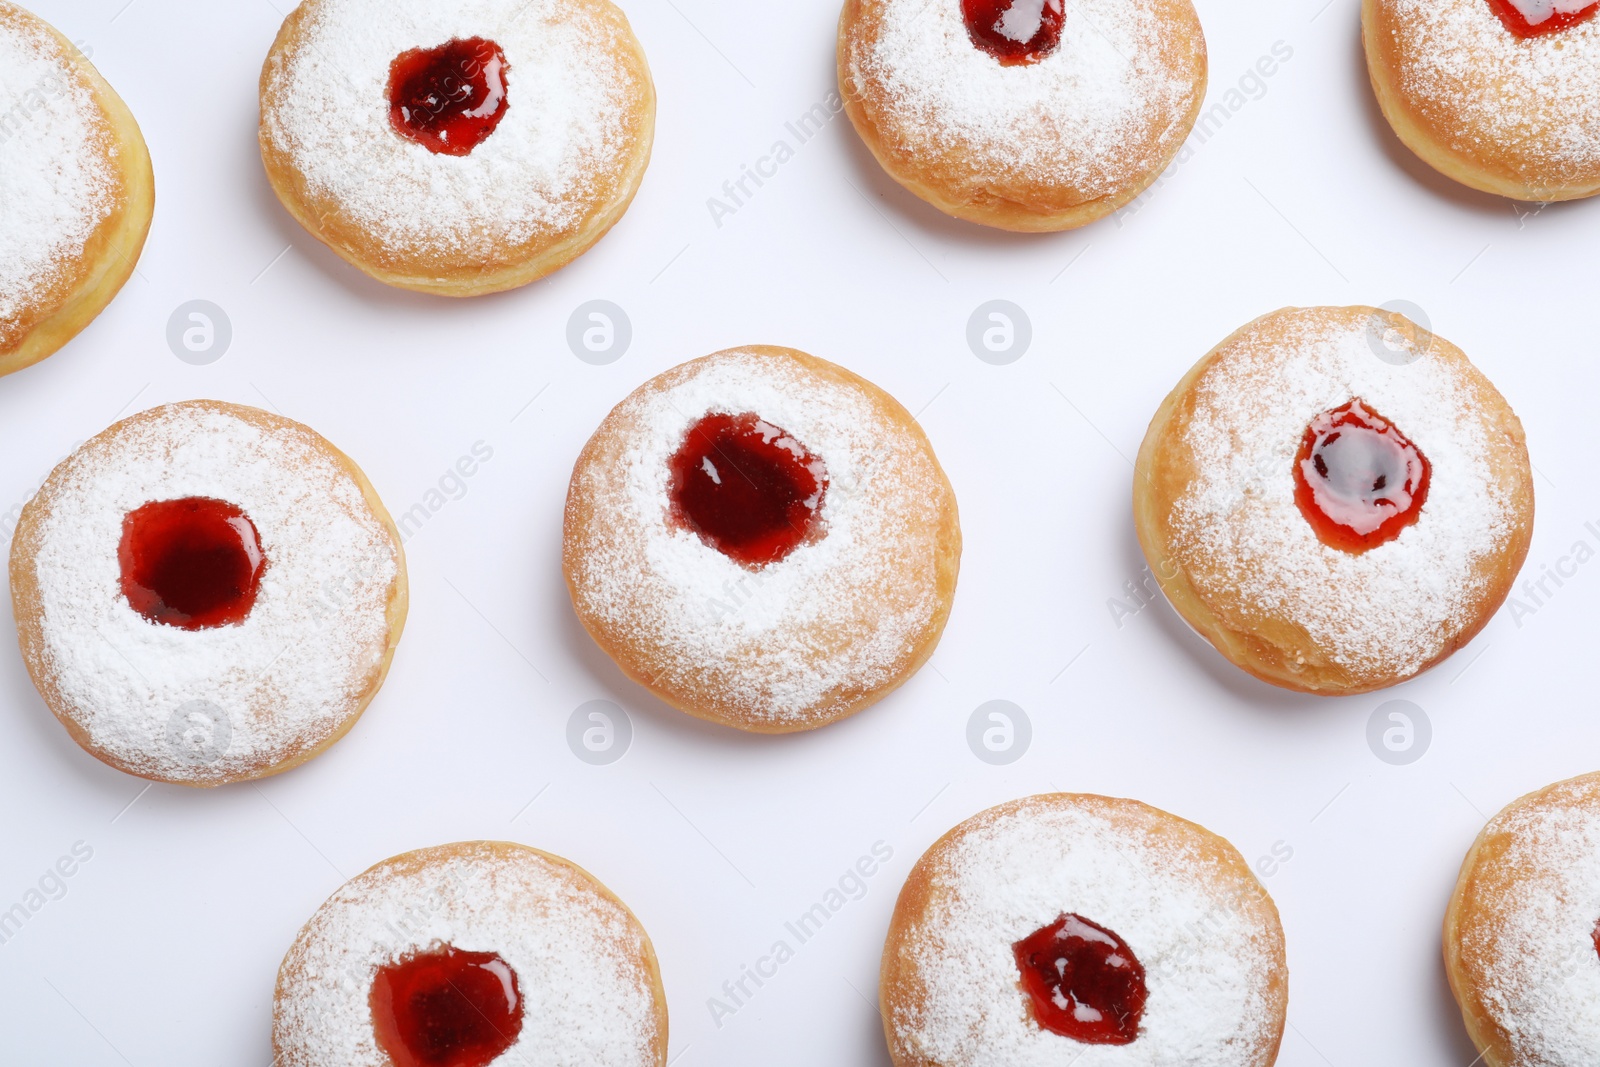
(467, 273)
(1487, 891)
(1277, 649)
(28, 605)
(418, 862)
(107, 261)
(585, 524)
(961, 184)
(1463, 136)
(903, 993)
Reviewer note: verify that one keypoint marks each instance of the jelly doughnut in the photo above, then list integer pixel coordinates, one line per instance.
(1335, 498)
(207, 593)
(1070, 929)
(1522, 933)
(460, 148)
(1023, 114)
(762, 539)
(76, 190)
(478, 954)
(1500, 95)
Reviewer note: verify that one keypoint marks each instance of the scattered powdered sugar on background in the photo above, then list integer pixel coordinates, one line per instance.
(563, 128)
(57, 182)
(1486, 88)
(587, 998)
(1104, 103)
(842, 610)
(292, 672)
(1209, 965)
(1238, 528)
(1540, 971)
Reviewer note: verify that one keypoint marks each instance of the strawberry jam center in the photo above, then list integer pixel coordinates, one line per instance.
(1358, 480)
(1015, 31)
(1084, 981)
(1535, 18)
(446, 1008)
(192, 563)
(751, 491)
(448, 99)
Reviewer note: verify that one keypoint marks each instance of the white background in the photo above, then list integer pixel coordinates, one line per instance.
(164, 949)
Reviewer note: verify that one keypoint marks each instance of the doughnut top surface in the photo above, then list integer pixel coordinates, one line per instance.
(58, 172)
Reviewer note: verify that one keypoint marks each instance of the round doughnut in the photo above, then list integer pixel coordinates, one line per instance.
(207, 593)
(1489, 98)
(1024, 115)
(1335, 498)
(480, 953)
(77, 187)
(550, 104)
(1523, 929)
(762, 539)
(1067, 929)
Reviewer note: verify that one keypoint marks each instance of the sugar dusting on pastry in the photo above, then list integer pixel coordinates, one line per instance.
(1209, 960)
(1105, 104)
(1486, 90)
(292, 673)
(1236, 526)
(1531, 943)
(564, 129)
(58, 179)
(588, 997)
(847, 609)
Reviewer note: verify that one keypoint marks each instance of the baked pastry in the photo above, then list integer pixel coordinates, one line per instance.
(1522, 935)
(762, 539)
(468, 955)
(1023, 114)
(1335, 498)
(1070, 929)
(207, 593)
(77, 190)
(460, 148)
(1500, 95)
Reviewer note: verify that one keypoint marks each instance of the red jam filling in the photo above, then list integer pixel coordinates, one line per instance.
(1084, 981)
(751, 491)
(1015, 31)
(446, 1008)
(1552, 16)
(1357, 479)
(448, 99)
(192, 563)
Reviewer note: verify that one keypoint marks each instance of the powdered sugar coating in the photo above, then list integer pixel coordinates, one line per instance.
(285, 679)
(564, 131)
(579, 955)
(58, 171)
(1107, 106)
(1195, 924)
(789, 643)
(1490, 94)
(1532, 940)
(1236, 530)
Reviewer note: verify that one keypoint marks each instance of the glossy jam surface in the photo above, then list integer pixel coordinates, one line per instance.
(1536, 18)
(448, 99)
(1358, 480)
(1015, 32)
(446, 1008)
(747, 488)
(1084, 982)
(192, 563)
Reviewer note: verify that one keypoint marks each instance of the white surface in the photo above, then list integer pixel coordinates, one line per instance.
(164, 948)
